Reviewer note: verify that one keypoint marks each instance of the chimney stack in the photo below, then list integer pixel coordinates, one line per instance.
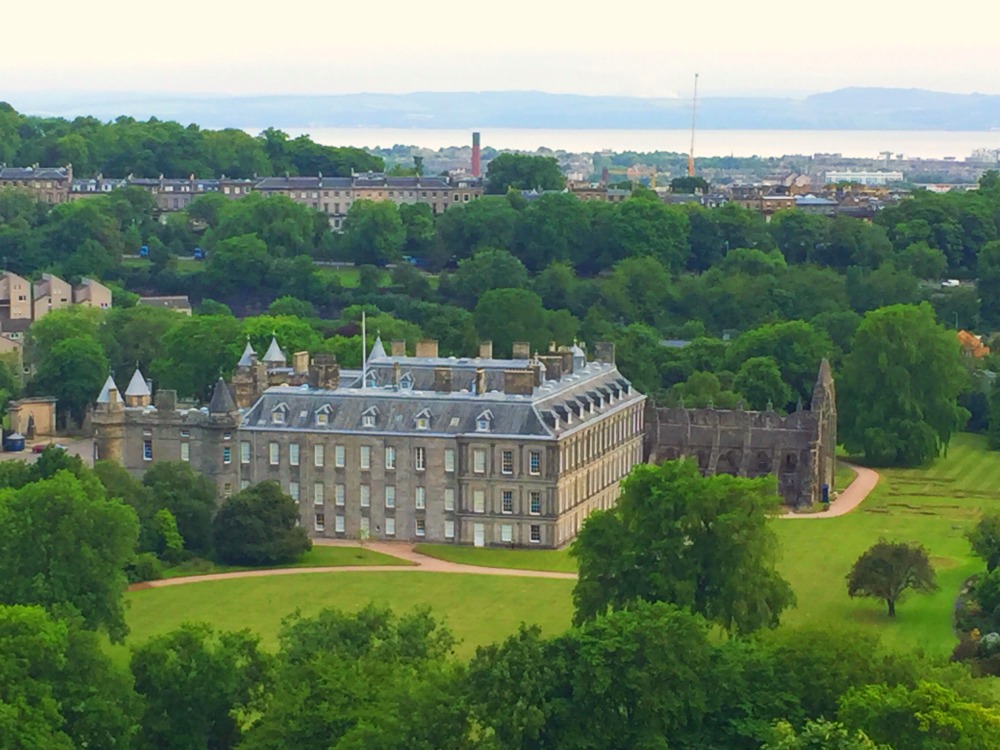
(476, 159)
(604, 351)
(553, 366)
(522, 350)
(486, 350)
(300, 363)
(442, 379)
(519, 382)
(427, 348)
(398, 348)
(396, 374)
(480, 382)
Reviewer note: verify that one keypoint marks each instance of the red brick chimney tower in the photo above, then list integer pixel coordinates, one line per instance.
(476, 165)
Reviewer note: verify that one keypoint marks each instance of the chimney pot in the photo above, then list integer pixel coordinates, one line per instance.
(486, 350)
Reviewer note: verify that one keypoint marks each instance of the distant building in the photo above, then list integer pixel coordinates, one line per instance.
(91, 293)
(48, 184)
(179, 303)
(972, 345)
(15, 298)
(861, 177)
(51, 293)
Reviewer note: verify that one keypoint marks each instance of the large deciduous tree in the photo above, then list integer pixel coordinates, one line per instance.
(698, 542)
(985, 539)
(62, 543)
(258, 526)
(189, 496)
(523, 172)
(373, 232)
(888, 569)
(899, 387)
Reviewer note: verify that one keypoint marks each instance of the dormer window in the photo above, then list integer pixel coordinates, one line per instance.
(406, 382)
(279, 414)
(423, 420)
(484, 422)
(371, 381)
(369, 417)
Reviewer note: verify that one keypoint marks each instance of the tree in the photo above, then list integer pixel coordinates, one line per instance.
(194, 683)
(985, 539)
(689, 185)
(259, 526)
(62, 543)
(759, 382)
(819, 735)
(796, 347)
(899, 387)
(698, 542)
(988, 282)
(373, 232)
(523, 172)
(888, 569)
(189, 496)
(504, 316)
(73, 372)
(487, 269)
(993, 433)
(195, 352)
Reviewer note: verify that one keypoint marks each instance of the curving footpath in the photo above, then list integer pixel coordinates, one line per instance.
(847, 501)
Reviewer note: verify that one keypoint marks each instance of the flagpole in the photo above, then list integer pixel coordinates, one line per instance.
(364, 352)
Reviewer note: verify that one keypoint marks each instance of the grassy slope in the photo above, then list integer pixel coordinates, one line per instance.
(933, 506)
(317, 557)
(478, 609)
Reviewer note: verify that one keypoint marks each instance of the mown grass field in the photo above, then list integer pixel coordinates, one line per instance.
(317, 557)
(933, 505)
(478, 609)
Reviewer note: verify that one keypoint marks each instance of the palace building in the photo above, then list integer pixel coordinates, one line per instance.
(479, 450)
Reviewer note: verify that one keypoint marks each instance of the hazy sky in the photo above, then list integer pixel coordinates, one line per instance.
(637, 47)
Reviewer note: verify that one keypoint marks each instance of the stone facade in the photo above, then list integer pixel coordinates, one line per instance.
(798, 449)
(477, 451)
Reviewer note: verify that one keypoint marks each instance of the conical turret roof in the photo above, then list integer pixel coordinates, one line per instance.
(222, 400)
(378, 350)
(105, 395)
(248, 354)
(274, 355)
(138, 386)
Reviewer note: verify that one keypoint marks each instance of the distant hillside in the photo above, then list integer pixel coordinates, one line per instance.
(845, 109)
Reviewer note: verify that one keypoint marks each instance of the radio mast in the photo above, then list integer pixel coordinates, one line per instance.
(694, 114)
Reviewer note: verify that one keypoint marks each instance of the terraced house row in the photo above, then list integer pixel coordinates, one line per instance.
(331, 195)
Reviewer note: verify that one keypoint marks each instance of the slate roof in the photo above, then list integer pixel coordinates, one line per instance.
(138, 386)
(105, 395)
(177, 302)
(248, 354)
(274, 353)
(33, 173)
(222, 400)
(554, 406)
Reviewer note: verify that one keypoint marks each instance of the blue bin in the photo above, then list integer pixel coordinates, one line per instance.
(13, 443)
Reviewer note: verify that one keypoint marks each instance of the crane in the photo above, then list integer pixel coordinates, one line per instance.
(694, 113)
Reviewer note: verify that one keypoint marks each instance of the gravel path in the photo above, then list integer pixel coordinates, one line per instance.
(847, 501)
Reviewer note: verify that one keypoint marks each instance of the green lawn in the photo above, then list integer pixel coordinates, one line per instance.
(933, 506)
(843, 476)
(478, 609)
(518, 559)
(317, 557)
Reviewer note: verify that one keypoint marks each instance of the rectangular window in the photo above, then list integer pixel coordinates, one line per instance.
(421, 527)
(318, 493)
(273, 453)
(478, 501)
(390, 457)
(147, 450)
(449, 459)
(390, 496)
(507, 462)
(390, 527)
(340, 494)
(507, 502)
(506, 533)
(245, 452)
(318, 455)
(535, 503)
(227, 453)
(419, 458)
(479, 461)
(420, 498)
(535, 463)
(227, 489)
(319, 522)
(536, 534)
(449, 529)
(366, 526)
(365, 494)
(293, 454)
(244, 484)
(186, 453)
(293, 490)
(338, 456)
(338, 524)
(366, 457)
(449, 499)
